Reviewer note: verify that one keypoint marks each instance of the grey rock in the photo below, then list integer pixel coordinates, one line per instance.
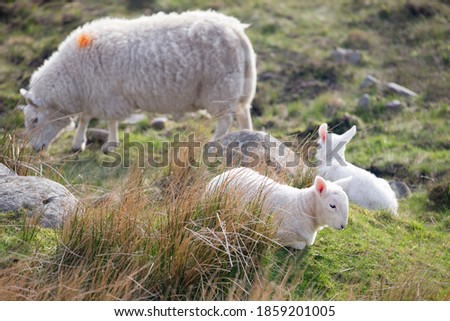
(97, 136)
(40, 196)
(159, 123)
(369, 81)
(255, 148)
(342, 55)
(400, 90)
(394, 105)
(5, 171)
(364, 101)
(401, 189)
(134, 119)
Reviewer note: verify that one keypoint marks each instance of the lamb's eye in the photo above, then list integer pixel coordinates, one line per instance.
(34, 121)
(332, 206)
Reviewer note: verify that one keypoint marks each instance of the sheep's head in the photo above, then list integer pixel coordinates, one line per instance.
(332, 146)
(332, 205)
(42, 125)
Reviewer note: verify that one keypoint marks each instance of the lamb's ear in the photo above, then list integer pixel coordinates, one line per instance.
(323, 132)
(348, 135)
(320, 186)
(344, 182)
(29, 97)
(20, 107)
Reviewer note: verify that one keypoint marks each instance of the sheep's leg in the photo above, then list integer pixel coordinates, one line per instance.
(79, 141)
(223, 124)
(244, 118)
(113, 136)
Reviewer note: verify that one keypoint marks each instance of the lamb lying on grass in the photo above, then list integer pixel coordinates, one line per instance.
(299, 213)
(165, 63)
(365, 189)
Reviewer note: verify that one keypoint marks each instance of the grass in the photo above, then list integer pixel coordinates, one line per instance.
(146, 235)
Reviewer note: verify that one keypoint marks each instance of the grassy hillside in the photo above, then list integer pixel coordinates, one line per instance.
(144, 234)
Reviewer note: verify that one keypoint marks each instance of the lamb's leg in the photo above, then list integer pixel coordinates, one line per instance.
(223, 124)
(79, 141)
(297, 245)
(244, 118)
(113, 136)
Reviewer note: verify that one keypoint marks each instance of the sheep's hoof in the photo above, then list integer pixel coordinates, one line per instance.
(108, 147)
(78, 149)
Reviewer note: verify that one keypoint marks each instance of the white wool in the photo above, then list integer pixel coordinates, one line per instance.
(165, 63)
(300, 213)
(365, 189)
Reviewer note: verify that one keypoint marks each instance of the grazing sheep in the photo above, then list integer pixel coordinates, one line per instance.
(247, 148)
(300, 213)
(165, 63)
(366, 189)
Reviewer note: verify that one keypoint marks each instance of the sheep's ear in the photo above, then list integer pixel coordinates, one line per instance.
(348, 135)
(320, 186)
(344, 182)
(323, 132)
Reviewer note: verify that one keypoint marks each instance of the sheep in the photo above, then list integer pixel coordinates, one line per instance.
(165, 63)
(299, 213)
(366, 189)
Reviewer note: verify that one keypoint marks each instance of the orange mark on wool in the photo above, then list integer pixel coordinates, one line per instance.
(84, 40)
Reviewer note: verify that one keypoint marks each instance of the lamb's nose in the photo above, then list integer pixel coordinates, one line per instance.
(342, 226)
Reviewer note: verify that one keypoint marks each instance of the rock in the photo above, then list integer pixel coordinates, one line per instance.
(255, 148)
(342, 55)
(5, 171)
(159, 123)
(394, 105)
(97, 136)
(401, 189)
(400, 90)
(37, 196)
(364, 101)
(134, 119)
(369, 81)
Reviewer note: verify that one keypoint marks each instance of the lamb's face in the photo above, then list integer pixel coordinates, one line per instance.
(332, 146)
(41, 125)
(332, 202)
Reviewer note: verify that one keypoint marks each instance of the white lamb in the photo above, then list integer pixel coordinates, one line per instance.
(300, 213)
(366, 189)
(165, 63)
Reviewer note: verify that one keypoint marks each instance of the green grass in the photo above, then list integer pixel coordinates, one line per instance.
(378, 257)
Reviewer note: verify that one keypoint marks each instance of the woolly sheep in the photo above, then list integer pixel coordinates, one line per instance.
(366, 189)
(166, 63)
(300, 213)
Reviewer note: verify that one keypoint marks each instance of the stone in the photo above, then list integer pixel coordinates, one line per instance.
(97, 136)
(134, 119)
(5, 171)
(401, 189)
(256, 148)
(394, 105)
(369, 81)
(40, 196)
(159, 123)
(400, 90)
(364, 101)
(342, 55)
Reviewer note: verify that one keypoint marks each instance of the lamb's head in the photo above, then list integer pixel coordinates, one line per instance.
(332, 146)
(332, 202)
(42, 125)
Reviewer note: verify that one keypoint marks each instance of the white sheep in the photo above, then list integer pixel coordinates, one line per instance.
(299, 213)
(165, 63)
(366, 189)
